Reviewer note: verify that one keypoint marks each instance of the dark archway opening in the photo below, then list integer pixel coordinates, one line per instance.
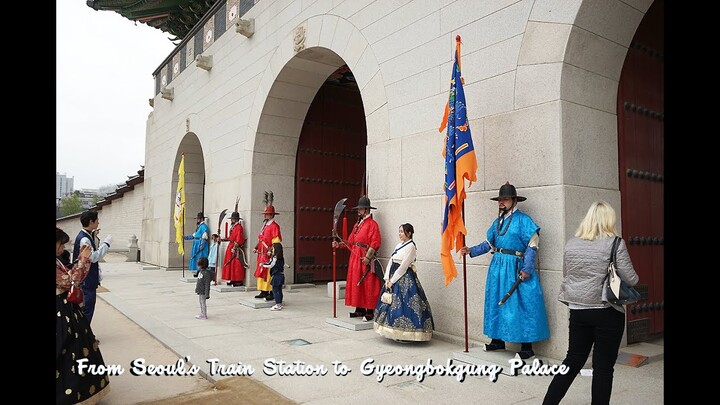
(330, 165)
(641, 139)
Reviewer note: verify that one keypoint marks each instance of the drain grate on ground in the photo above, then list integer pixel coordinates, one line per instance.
(296, 342)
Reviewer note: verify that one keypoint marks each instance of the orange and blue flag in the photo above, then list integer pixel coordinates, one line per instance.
(460, 164)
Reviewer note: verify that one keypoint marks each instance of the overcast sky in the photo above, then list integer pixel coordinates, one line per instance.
(104, 66)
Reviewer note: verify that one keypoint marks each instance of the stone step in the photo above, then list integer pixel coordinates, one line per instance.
(640, 354)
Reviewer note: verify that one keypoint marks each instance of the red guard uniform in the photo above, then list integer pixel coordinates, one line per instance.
(269, 234)
(234, 270)
(365, 234)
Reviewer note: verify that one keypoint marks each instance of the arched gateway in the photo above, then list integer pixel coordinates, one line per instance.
(565, 100)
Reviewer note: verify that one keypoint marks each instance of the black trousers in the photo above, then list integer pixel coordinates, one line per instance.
(597, 329)
(278, 279)
(89, 299)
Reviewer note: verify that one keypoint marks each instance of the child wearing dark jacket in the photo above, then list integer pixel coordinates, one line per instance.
(277, 266)
(202, 286)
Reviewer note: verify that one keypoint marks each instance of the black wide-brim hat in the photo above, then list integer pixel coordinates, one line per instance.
(235, 215)
(200, 215)
(508, 191)
(364, 202)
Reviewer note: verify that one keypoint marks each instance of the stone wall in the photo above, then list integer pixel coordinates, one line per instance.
(541, 81)
(122, 219)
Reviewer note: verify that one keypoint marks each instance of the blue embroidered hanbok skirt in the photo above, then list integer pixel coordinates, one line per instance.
(408, 317)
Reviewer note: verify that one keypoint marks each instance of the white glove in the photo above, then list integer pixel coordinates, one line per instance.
(108, 240)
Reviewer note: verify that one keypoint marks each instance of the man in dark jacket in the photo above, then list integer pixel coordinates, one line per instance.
(90, 222)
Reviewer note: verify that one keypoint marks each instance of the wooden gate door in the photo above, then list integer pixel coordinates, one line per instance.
(330, 166)
(641, 138)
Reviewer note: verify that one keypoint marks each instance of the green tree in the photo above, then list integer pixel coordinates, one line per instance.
(96, 198)
(70, 205)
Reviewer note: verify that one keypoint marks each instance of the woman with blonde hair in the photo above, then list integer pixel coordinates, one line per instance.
(594, 323)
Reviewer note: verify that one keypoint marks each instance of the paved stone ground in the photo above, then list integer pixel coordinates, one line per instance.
(121, 340)
(164, 305)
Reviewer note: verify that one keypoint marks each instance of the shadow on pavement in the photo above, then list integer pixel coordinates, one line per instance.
(123, 342)
(233, 390)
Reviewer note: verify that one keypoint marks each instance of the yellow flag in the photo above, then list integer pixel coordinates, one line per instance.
(180, 206)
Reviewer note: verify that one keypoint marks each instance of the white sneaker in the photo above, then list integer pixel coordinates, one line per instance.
(276, 307)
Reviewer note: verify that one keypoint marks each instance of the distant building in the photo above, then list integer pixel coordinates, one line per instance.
(63, 186)
(108, 189)
(89, 191)
(88, 197)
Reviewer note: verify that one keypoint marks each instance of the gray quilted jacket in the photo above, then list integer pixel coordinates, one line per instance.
(585, 267)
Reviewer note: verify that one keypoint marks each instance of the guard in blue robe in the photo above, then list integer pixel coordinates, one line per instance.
(201, 244)
(513, 239)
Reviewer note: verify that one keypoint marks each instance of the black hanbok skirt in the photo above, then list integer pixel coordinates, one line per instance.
(74, 340)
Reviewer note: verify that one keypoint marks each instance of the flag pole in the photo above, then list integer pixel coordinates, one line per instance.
(460, 164)
(334, 285)
(182, 219)
(217, 256)
(465, 283)
(179, 216)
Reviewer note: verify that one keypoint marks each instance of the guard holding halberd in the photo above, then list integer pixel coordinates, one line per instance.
(363, 283)
(235, 263)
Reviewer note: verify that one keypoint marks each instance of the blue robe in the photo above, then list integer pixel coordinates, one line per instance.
(200, 246)
(522, 318)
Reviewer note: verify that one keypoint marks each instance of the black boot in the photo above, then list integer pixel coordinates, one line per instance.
(495, 345)
(269, 297)
(262, 294)
(526, 352)
(359, 312)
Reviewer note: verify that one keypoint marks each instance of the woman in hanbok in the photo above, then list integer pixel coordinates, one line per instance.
(408, 316)
(75, 342)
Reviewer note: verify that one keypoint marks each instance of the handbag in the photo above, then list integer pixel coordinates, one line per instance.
(386, 297)
(616, 291)
(75, 295)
